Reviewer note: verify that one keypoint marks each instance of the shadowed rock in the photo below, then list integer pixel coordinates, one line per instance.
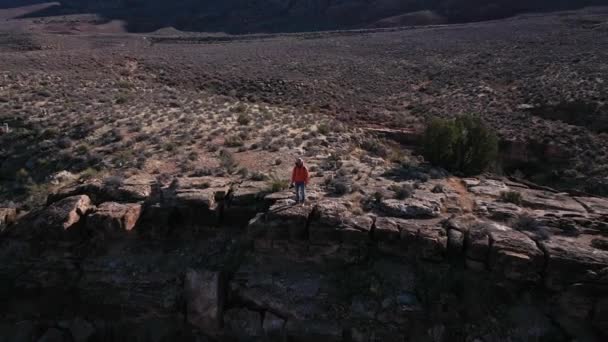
(114, 218)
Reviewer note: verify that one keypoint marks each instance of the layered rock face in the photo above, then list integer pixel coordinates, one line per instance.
(208, 258)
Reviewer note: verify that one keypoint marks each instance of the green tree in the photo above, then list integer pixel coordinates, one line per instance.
(464, 144)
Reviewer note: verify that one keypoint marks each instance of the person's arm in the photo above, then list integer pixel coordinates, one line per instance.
(306, 176)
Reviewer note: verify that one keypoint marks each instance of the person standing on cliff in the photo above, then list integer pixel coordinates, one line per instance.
(299, 178)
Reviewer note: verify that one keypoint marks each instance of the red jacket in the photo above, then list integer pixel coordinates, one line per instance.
(299, 174)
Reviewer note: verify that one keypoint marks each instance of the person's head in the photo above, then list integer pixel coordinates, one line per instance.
(299, 162)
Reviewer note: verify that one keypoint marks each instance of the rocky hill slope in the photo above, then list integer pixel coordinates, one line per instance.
(241, 16)
(208, 258)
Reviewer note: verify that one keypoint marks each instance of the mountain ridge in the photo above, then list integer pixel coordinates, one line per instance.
(240, 16)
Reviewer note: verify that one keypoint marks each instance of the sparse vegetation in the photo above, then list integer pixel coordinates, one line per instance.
(276, 183)
(227, 160)
(465, 145)
(511, 197)
(402, 191)
(243, 119)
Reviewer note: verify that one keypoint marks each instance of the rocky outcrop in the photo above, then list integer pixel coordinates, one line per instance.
(333, 269)
(111, 218)
(7, 217)
(205, 296)
(132, 189)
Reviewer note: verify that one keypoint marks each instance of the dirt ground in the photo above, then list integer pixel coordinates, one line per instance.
(80, 94)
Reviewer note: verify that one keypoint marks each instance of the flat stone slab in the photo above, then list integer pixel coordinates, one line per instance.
(423, 204)
(595, 205)
(571, 260)
(113, 218)
(487, 187)
(545, 200)
(64, 213)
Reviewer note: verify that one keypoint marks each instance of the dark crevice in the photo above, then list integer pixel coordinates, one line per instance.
(311, 217)
(487, 262)
(372, 229)
(543, 249)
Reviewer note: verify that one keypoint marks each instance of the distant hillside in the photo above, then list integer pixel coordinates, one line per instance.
(243, 16)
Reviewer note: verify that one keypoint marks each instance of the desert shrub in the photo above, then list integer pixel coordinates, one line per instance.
(332, 162)
(201, 172)
(402, 191)
(240, 108)
(22, 175)
(511, 197)
(437, 189)
(462, 145)
(276, 184)
(121, 99)
(340, 186)
(233, 141)
(258, 176)
(227, 160)
(243, 119)
(323, 128)
(193, 155)
(82, 149)
(89, 173)
(169, 147)
(243, 172)
(530, 224)
(375, 147)
(378, 196)
(113, 181)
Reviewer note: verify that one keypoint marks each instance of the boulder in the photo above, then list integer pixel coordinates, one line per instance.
(332, 222)
(114, 218)
(113, 189)
(497, 210)
(133, 189)
(425, 239)
(421, 205)
(284, 221)
(571, 260)
(63, 215)
(477, 247)
(92, 188)
(455, 245)
(545, 200)
(595, 205)
(205, 296)
(386, 229)
(197, 200)
(486, 187)
(514, 255)
(7, 217)
(243, 324)
(244, 202)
